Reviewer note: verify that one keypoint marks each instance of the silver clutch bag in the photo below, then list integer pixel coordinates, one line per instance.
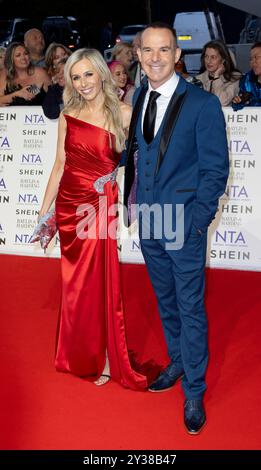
(45, 229)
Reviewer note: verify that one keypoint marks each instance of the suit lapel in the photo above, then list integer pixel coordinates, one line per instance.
(172, 114)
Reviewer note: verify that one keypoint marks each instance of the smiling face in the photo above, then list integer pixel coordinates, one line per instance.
(119, 75)
(86, 80)
(213, 60)
(158, 55)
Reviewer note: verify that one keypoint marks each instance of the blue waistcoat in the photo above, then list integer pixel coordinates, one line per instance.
(147, 162)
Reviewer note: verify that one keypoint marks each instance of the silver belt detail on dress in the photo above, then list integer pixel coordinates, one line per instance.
(100, 182)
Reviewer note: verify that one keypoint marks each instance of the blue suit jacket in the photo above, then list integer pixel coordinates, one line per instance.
(195, 165)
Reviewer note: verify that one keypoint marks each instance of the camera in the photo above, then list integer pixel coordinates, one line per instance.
(34, 89)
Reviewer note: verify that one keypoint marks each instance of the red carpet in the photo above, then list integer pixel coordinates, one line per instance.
(43, 409)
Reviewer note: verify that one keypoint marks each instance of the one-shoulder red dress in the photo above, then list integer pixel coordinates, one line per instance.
(92, 317)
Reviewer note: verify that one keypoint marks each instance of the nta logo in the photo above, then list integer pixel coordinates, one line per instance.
(31, 158)
(28, 198)
(2, 184)
(4, 142)
(34, 119)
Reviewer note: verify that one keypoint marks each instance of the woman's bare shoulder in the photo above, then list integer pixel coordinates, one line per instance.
(71, 113)
(62, 119)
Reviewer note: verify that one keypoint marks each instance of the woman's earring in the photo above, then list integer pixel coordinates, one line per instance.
(103, 85)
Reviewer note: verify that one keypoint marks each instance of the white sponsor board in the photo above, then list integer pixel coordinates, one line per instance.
(235, 235)
(27, 153)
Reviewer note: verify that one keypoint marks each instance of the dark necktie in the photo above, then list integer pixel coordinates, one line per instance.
(150, 117)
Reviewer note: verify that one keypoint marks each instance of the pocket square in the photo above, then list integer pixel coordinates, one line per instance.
(45, 229)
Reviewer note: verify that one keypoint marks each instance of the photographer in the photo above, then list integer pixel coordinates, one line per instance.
(23, 83)
(250, 83)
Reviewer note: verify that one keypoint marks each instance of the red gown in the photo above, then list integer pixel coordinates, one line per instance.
(92, 316)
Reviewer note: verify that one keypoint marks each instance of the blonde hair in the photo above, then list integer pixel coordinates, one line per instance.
(111, 107)
(119, 47)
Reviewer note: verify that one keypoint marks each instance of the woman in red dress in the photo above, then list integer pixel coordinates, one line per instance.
(92, 131)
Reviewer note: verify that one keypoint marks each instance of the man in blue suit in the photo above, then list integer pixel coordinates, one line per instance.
(182, 169)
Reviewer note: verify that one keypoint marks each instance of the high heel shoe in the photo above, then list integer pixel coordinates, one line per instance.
(102, 380)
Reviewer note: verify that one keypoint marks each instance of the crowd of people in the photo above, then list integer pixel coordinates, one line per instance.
(29, 76)
(172, 115)
(28, 73)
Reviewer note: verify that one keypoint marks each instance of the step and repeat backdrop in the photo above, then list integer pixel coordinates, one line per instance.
(27, 153)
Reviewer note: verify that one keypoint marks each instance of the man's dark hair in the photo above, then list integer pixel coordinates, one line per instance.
(161, 25)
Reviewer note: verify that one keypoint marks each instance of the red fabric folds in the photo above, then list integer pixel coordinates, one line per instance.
(92, 316)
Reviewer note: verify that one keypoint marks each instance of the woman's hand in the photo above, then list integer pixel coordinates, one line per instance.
(41, 213)
(236, 99)
(219, 71)
(24, 93)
